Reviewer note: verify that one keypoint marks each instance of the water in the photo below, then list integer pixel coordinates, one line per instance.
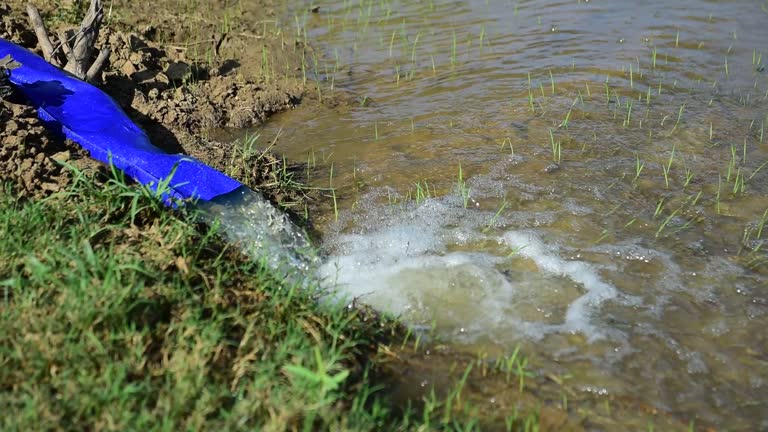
(264, 233)
(610, 209)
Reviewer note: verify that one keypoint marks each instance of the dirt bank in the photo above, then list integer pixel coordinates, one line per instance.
(178, 71)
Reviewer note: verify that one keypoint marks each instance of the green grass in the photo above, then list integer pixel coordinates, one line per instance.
(120, 314)
(117, 313)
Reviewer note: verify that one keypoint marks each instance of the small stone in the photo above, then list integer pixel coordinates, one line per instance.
(162, 78)
(135, 43)
(128, 69)
(62, 156)
(135, 58)
(24, 166)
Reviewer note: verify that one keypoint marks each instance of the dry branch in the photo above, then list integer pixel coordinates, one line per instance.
(98, 65)
(82, 48)
(42, 34)
(78, 49)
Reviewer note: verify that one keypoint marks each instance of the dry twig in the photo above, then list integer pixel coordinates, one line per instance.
(77, 49)
(42, 35)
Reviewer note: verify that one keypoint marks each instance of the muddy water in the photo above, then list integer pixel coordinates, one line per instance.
(584, 178)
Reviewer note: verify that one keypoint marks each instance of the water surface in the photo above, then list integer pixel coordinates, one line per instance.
(584, 178)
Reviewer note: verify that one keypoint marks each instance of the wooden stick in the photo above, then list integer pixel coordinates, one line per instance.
(42, 34)
(64, 44)
(98, 65)
(76, 47)
(82, 48)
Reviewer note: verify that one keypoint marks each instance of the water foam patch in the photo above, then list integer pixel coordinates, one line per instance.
(404, 267)
(413, 262)
(580, 312)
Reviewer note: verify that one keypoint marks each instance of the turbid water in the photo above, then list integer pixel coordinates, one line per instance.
(586, 179)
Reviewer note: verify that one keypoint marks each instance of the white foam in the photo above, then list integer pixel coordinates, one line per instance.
(580, 312)
(458, 291)
(404, 268)
(402, 262)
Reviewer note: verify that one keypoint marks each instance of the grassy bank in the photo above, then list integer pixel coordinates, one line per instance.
(119, 314)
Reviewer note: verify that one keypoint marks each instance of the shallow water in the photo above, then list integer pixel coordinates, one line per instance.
(609, 211)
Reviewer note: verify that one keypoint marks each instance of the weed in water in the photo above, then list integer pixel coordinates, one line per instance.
(638, 167)
(757, 170)
(496, 216)
(508, 142)
(564, 123)
(666, 221)
(552, 81)
(463, 188)
(717, 197)
(688, 177)
(679, 117)
(628, 117)
(556, 147)
(333, 194)
(761, 224)
(422, 192)
(666, 168)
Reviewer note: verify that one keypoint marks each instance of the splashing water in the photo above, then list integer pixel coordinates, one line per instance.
(419, 262)
(264, 233)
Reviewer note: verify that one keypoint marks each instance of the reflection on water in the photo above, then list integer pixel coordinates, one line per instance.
(611, 208)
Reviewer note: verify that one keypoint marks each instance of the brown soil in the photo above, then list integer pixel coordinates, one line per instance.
(176, 73)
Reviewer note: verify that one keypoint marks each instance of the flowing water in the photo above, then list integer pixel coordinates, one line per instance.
(264, 233)
(586, 179)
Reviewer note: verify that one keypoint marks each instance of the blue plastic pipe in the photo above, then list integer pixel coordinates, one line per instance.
(86, 115)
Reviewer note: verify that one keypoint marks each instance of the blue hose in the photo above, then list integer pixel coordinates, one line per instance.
(86, 115)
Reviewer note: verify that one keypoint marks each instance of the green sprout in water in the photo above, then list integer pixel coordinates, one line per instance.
(556, 148)
(463, 188)
(638, 167)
